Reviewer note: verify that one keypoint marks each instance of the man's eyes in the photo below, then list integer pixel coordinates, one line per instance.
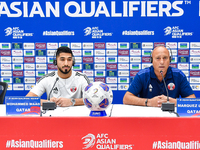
(69, 59)
(163, 58)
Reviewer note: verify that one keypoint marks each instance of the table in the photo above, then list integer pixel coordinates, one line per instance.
(115, 110)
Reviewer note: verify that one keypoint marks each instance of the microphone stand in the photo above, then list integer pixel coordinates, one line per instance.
(50, 105)
(167, 106)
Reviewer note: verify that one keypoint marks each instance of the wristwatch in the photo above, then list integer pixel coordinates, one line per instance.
(146, 102)
(73, 101)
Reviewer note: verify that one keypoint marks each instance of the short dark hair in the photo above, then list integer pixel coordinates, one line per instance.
(63, 49)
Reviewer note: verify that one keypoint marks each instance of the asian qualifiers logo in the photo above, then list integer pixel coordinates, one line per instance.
(16, 32)
(8, 31)
(168, 30)
(176, 32)
(102, 141)
(96, 32)
(89, 141)
(87, 31)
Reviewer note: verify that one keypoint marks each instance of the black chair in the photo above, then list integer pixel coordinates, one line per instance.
(3, 89)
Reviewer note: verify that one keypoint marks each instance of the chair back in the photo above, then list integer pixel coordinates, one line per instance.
(3, 89)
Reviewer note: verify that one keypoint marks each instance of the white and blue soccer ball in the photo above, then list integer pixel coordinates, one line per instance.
(97, 96)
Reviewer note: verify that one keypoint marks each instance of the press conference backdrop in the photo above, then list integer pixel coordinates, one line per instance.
(111, 40)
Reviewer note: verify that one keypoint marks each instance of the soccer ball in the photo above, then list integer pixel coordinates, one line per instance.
(97, 96)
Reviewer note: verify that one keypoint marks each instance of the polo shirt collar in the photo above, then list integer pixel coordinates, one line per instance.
(168, 75)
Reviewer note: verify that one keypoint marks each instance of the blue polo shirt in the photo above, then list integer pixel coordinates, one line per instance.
(147, 85)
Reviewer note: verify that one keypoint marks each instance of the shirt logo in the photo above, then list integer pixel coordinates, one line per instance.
(171, 86)
(150, 88)
(73, 89)
(55, 90)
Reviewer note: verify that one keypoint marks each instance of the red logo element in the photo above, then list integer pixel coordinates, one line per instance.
(5, 52)
(101, 79)
(123, 52)
(99, 45)
(111, 66)
(29, 59)
(40, 46)
(171, 86)
(88, 59)
(18, 73)
(195, 73)
(183, 52)
(173, 65)
(159, 44)
(145, 59)
(37, 79)
(52, 67)
(73, 89)
(133, 73)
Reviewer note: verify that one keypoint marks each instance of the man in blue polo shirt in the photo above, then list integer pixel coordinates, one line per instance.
(148, 89)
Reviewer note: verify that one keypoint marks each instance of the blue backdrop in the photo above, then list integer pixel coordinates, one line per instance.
(111, 40)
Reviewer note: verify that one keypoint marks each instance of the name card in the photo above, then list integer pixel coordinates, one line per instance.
(22, 106)
(188, 107)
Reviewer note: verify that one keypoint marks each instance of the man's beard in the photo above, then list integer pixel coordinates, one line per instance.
(66, 71)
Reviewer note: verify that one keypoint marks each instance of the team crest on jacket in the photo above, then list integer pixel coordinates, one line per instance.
(171, 86)
(73, 89)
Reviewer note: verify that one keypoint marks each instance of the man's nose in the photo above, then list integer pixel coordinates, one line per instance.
(66, 62)
(161, 60)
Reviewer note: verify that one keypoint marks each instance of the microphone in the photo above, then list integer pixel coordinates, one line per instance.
(50, 105)
(166, 106)
(52, 88)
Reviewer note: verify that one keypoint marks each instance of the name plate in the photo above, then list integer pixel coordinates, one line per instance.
(188, 107)
(22, 106)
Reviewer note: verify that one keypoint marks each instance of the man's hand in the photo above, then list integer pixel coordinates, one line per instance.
(158, 100)
(155, 101)
(162, 99)
(62, 102)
